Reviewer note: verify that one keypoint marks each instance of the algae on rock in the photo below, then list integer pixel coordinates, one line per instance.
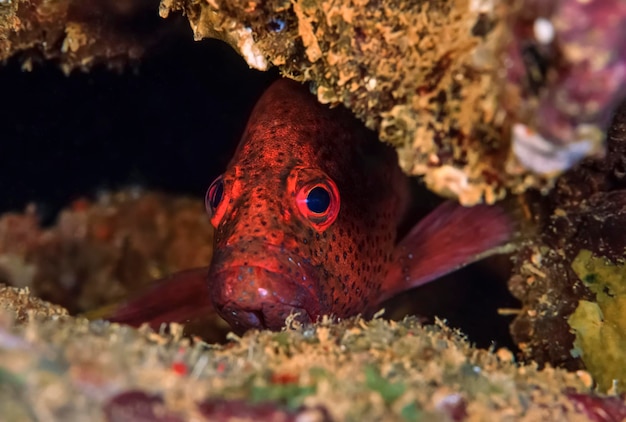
(600, 326)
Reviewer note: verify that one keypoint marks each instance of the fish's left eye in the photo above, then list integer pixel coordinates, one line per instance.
(318, 200)
(214, 195)
(319, 203)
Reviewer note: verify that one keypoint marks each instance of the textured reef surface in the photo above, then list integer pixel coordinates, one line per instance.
(79, 34)
(570, 276)
(103, 250)
(481, 98)
(56, 367)
(477, 96)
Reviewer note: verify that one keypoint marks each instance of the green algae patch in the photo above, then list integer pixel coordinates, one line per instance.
(600, 326)
(389, 391)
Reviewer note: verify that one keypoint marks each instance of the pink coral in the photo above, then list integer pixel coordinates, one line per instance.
(568, 61)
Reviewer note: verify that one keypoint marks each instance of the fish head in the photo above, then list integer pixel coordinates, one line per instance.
(302, 221)
(260, 272)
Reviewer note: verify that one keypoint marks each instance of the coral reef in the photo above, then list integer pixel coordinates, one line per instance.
(478, 97)
(569, 276)
(600, 325)
(565, 72)
(100, 252)
(411, 70)
(354, 370)
(449, 83)
(79, 33)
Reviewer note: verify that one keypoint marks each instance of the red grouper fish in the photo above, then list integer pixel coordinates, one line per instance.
(305, 219)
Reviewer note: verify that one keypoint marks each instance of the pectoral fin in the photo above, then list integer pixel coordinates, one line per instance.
(450, 237)
(180, 297)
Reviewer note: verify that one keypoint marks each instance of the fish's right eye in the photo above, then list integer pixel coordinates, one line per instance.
(214, 195)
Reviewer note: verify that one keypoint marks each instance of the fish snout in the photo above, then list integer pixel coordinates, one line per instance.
(257, 295)
(270, 316)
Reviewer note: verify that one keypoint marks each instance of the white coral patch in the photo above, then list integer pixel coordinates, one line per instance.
(543, 30)
(544, 157)
(250, 51)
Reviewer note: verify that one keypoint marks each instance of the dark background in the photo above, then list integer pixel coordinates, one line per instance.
(171, 123)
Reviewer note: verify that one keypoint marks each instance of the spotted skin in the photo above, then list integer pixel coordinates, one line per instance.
(261, 234)
(273, 257)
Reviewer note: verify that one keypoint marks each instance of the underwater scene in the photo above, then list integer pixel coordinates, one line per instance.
(333, 210)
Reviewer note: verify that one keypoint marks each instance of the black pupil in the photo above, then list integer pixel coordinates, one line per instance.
(318, 200)
(217, 191)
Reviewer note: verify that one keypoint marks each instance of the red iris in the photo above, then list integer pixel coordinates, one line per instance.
(317, 197)
(214, 197)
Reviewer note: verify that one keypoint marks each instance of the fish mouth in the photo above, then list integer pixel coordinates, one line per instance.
(262, 293)
(267, 316)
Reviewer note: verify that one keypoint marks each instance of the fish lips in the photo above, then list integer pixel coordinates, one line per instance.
(262, 292)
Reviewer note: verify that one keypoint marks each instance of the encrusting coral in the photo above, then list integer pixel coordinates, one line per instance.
(569, 276)
(56, 367)
(477, 96)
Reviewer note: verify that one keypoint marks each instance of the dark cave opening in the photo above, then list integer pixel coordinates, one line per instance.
(168, 123)
(171, 123)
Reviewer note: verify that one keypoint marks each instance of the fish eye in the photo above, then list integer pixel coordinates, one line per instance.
(318, 200)
(214, 195)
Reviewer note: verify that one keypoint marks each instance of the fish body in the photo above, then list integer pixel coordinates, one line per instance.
(306, 218)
